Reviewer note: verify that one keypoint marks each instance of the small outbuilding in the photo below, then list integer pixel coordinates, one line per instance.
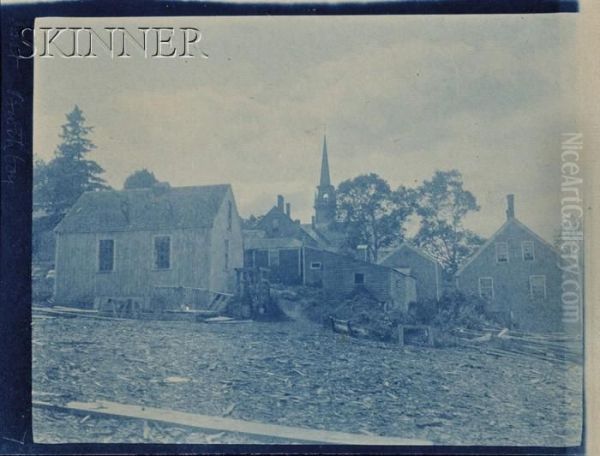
(343, 274)
(423, 267)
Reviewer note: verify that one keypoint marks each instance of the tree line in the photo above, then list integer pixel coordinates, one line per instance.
(369, 211)
(373, 214)
(58, 183)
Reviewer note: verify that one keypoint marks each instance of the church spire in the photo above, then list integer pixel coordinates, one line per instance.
(325, 200)
(325, 180)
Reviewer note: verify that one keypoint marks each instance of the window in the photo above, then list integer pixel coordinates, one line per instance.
(359, 278)
(248, 258)
(261, 258)
(275, 224)
(162, 252)
(502, 252)
(229, 215)
(486, 288)
(226, 254)
(315, 265)
(537, 286)
(106, 255)
(527, 249)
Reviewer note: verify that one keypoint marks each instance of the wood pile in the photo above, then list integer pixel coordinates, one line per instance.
(553, 347)
(404, 334)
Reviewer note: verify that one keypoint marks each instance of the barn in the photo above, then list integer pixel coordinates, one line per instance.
(134, 243)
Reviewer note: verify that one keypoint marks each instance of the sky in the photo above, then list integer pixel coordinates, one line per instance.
(400, 96)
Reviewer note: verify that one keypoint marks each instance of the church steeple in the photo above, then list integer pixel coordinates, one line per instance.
(325, 200)
(325, 180)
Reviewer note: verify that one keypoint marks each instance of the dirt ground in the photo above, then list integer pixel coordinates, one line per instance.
(295, 374)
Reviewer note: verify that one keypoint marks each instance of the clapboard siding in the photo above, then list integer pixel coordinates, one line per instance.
(197, 252)
(222, 278)
(338, 272)
(426, 271)
(511, 279)
(79, 281)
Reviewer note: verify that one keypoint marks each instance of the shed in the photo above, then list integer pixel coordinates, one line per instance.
(424, 268)
(343, 274)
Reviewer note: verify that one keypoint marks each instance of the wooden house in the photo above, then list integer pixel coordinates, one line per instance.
(343, 274)
(518, 274)
(277, 242)
(423, 267)
(131, 243)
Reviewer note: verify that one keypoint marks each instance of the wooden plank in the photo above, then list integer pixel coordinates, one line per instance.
(290, 433)
(50, 312)
(75, 310)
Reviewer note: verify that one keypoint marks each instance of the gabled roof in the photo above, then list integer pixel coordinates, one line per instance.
(406, 245)
(507, 223)
(157, 208)
(378, 266)
(315, 234)
(274, 211)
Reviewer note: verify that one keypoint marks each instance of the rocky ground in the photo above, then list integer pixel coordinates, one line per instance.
(295, 374)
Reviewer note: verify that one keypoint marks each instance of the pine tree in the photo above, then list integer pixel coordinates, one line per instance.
(69, 173)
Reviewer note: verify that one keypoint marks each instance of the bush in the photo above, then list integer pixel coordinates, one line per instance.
(456, 309)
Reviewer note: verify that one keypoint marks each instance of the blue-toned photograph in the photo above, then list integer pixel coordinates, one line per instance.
(307, 230)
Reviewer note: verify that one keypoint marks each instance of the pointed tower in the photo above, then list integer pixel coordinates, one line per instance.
(325, 201)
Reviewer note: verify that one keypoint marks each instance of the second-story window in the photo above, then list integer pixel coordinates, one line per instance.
(502, 252)
(527, 249)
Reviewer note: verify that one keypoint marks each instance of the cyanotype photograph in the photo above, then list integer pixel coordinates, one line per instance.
(307, 230)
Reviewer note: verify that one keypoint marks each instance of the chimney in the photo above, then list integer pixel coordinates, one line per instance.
(288, 210)
(510, 206)
(313, 221)
(280, 202)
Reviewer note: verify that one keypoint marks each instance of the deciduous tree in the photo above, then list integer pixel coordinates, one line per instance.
(371, 213)
(442, 204)
(141, 178)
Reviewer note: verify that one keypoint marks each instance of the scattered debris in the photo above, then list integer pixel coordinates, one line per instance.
(557, 348)
(256, 370)
(228, 410)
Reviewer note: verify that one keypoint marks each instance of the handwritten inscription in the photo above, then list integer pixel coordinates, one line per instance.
(13, 145)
